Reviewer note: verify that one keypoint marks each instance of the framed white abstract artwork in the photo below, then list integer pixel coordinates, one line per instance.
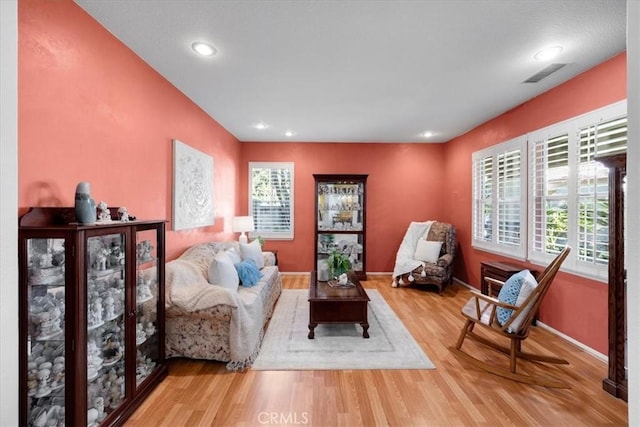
(193, 204)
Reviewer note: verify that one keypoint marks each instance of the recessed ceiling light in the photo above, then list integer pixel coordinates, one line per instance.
(260, 126)
(289, 133)
(548, 53)
(204, 49)
(427, 134)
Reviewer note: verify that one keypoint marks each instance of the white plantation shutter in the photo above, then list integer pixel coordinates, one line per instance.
(549, 194)
(483, 188)
(499, 198)
(509, 197)
(593, 188)
(271, 199)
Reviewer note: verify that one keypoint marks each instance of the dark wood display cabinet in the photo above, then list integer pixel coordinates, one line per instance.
(616, 381)
(91, 317)
(340, 223)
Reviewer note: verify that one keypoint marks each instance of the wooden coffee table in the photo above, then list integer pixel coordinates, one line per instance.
(329, 304)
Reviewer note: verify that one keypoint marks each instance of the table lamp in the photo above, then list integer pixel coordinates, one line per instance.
(242, 224)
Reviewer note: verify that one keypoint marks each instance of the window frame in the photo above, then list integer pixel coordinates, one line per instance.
(273, 235)
(572, 127)
(494, 245)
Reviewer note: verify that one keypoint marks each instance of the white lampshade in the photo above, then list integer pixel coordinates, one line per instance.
(242, 224)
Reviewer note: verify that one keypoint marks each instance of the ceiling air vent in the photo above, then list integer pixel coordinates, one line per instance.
(544, 73)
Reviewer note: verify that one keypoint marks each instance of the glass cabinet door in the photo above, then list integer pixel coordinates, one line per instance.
(340, 225)
(349, 245)
(147, 342)
(340, 206)
(106, 273)
(45, 341)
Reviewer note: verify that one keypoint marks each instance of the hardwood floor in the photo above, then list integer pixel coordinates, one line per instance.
(203, 393)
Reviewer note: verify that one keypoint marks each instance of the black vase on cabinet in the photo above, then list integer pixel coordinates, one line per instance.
(91, 317)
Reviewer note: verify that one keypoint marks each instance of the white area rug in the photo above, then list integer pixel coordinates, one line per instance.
(337, 346)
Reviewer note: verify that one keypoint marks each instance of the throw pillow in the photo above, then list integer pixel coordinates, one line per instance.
(529, 284)
(248, 272)
(234, 255)
(252, 250)
(427, 251)
(509, 294)
(223, 273)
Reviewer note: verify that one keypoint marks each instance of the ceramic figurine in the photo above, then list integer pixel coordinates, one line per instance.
(57, 372)
(109, 307)
(124, 215)
(94, 362)
(32, 378)
(141, 335)
(342, 279)
(105, 214)
(43, 382)
(97, 311)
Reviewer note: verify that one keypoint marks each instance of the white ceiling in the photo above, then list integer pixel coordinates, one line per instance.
(362, 71)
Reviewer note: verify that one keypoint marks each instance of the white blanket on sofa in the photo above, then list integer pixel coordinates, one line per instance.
(405, 262)
(191, 292)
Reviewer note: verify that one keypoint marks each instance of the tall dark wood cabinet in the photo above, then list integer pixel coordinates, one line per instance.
(91, 317)
(340, 223)
(616, 381)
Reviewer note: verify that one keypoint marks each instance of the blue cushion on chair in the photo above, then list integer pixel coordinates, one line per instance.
(248, 272)
(509, 294)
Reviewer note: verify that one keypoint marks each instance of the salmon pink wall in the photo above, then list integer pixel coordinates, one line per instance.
(404, 185)
(598, 87)
(90, 109)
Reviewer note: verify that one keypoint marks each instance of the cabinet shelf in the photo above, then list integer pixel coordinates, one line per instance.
(56, 336)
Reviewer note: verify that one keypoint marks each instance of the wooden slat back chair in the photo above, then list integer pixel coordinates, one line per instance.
(481, 310)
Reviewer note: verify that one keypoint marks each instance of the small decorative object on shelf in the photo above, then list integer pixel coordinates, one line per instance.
(79, 290)
(104, 214)
(85, 206)
(124, 215)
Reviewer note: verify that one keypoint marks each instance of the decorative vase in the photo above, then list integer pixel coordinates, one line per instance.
(85, 205)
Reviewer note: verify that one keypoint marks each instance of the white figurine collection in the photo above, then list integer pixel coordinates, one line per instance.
(47, 314)
(45, 375)
(144, 366)
(104, 214)
(105, 336)
(143, 251)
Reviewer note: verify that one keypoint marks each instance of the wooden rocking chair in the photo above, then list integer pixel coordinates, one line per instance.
(482, 310)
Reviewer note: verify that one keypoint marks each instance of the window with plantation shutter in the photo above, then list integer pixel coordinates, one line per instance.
(549, 194)
(593, 187)
(568, 189)
(483, 188)
(271, 199)
(499, 198)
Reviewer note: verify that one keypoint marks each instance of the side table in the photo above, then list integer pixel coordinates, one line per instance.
(496, 270)
(499, 271)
